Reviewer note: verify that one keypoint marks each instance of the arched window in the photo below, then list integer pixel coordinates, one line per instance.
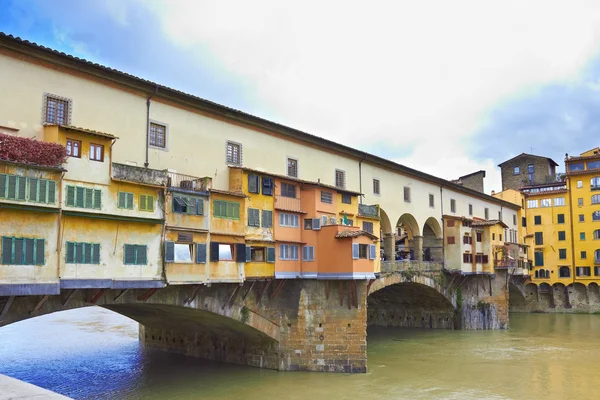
(597, 234)
(595, 183)
(564, 272)
(596, 216)
(596, 199)
(542, 274)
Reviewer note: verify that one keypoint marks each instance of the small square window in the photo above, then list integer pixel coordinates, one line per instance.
(376, 186)
(234, 153)
(407, 194)
(562, 254)
(326, 197)
(537, 220)
(581, 218)
(516, 171)
(562, 235)
(292, 167)
(57, 110)
(74, 148)
(580, 201)
(158, 135)
(96, 152)
(340, 179)
(560, 218)
(431, 201)
(581, 235)
(583, 255)
(346, 199)
(580, 184)
(288, 190)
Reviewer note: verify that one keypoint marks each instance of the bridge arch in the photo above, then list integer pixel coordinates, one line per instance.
(410, 301)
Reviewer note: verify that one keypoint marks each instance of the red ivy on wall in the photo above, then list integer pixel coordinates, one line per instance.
(30, 151)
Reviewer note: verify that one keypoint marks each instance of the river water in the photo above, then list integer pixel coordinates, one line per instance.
(93, 353)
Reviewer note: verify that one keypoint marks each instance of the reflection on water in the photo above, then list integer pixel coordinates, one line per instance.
(94, 354)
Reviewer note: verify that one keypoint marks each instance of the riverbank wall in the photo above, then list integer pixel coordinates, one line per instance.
(575, 298)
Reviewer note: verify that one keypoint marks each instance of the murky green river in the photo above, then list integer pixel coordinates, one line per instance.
(94, 354)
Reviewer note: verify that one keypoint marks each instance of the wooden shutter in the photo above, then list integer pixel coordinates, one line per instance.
(98, 199)
(19, 244)
(372, 252)
(96, 253)
(248, 253)
(169, 251)
(267, 186)
(270, 254)
(130, 201)
(240, 252)
(70, 253)
(40, 251)
(71, 196)
(3, 185)
(79, 196)
(236, 211)
(149, 203)
(142, 202)
(29, 251)
(89, 198)
(199, 207)
(267, 218)
(214, 251)
(51, 192)
(78, 252)
(33, 189)
(355, 251)
(22, 186)
(141, 254)
(7, 250)
(200, 253)
(87, 253)
(129, 254)
(12, 187)
(253, 181)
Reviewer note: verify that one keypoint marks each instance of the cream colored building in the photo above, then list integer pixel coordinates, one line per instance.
(162, 128)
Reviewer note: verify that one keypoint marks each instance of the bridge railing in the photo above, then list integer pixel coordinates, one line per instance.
(413, 265)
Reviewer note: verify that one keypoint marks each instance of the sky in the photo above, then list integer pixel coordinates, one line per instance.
(446, 87)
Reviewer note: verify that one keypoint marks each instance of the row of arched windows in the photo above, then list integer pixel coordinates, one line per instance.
(542, 274)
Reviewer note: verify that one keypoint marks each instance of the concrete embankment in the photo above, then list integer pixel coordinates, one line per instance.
(14, 389)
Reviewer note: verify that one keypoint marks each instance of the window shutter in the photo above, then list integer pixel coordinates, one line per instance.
(87, 253)
(312, 253)
(19, 244)
(199, 207)
(40, 251)
(43, 196)
(214, 251)
(142, 202)
(236, 210)
(70, 196)
(70, 253)
(129, 254)
(22, 184)
(270, 254)
(240, 252)
(33, 189)
(200, 253)
(169, 251)
(316, 224)
(121, 200)
(78, 253)
(98, 199)
(12, 187)
(281, 215)
(7, 250)
(142, 256)
(267, 186)
(372, 252)
(355, 251)
(253, 183)
(89, 198)
(3, 179)
(96, 253)
(248, 253)
(79, 193)
(130, 201)
(304, 253)
(29, 251)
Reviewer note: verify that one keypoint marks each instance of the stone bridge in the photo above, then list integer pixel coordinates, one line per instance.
(311, 325)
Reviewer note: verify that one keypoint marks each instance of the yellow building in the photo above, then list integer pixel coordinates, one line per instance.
(549, 235)
(583, 180)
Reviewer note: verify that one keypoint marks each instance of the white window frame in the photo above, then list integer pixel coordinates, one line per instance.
(546, 203)
(308, 253)
(579, 184)
(288, 252)
(289, 220)
(532, 203)
(559, 201)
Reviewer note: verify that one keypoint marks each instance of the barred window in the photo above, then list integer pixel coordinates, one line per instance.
(292, 167)
(234, 153)
(57, 110)
(158, 135)
(340, 178)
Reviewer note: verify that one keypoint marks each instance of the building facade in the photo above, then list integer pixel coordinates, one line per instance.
(527, 169)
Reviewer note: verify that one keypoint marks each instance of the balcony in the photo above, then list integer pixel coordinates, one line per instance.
(187, 182)
(412, 265)
(130, 173)
(504, 264)
(368, 211)
(287, 204)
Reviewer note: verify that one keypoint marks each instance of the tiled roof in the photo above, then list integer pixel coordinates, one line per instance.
(490, 222)
(84, 130)
(126, 79)
(353, 234)
(226, 192)
(529, 155)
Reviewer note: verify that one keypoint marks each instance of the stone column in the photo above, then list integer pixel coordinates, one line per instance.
(389, 243)
(417, 246)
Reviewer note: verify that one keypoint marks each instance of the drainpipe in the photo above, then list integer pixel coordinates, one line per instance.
(360, 177)
(146, 164)
(59, 235)
(570, 191)
(443, 226)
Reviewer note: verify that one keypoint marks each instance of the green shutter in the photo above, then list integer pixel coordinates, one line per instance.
(96, 253)
(201, 253)
(130, 201)
(142, 202)
(141, 255)
(78, 257)
(22, 187)
(71, 196)
(149, 203)
(40, 252)
(33, 190)
(270, 254)
(3, 185)
(12, 187)
(42, 193)
(98, 199)
(89, 198)
(129, 254)
(70, 256)
(87, 253)
(29, 251)
(7, 250)
(51, 192)
(169, 251)
(79, 197)
(121, 200)
(19, 251)
(199, 207)
(217, 208)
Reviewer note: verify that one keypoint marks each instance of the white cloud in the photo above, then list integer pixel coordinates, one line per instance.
(407, 73)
